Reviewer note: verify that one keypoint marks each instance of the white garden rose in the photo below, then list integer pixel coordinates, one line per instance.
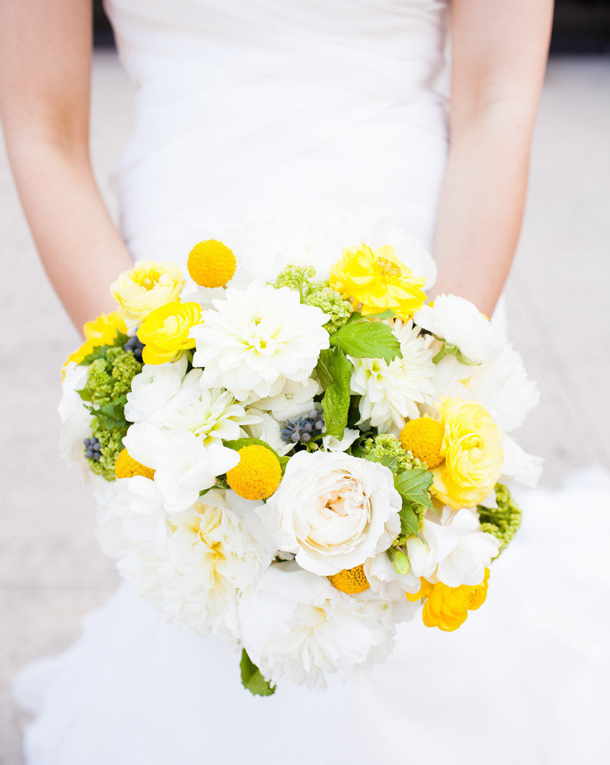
(460, 323)
(333, 511)
(297, 626)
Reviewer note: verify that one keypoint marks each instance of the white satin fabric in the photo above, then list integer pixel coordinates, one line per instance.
(323, 106)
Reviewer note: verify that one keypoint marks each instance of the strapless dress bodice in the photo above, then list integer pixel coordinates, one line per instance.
(320, 105)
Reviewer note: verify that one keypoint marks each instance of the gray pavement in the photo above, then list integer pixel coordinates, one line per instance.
(51, 571)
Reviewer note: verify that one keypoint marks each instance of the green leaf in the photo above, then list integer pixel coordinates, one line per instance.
(99, 352)
(252, 679)
(409, 523)
(388, 461)
(452, 350)
(335, 371)
(413, 485)
(367, 340)
(111, 415)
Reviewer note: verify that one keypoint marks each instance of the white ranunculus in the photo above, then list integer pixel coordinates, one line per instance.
(153, 389)
(258, 340)
(295, 400)
(392, 392)
(459, 322)
(520, 466)
(458, 552)
(183, 465)
(333, 511)
(75, 417)
(297, 626)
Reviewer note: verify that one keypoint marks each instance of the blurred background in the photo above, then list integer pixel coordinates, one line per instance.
(51, 570)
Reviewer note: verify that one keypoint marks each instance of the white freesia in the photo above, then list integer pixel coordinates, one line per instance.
(257, 340)
(458, 552)
(268, 430)
(212, 414)
(332, 444)
(153, 389)
(295, 400)
(75, 417)
(520, 466)
(459, 322)
(297, 626)
(391, 392)
(333, 511)
(183, 465)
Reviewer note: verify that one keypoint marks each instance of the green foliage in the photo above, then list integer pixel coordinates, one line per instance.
(410, 518)
(99, 352)
(334, 372)
(252, 679)
(111, 441)
(324, 297)
(366, 339)
(502, 521)
(414, 486)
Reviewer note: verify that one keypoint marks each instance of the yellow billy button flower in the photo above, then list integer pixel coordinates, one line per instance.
(99, 331)
(447, 607)
(211, 264)
(126, 467)
(166, 331)
(145, 287)
(377, 281)
(257, 474)
(350, 580)
(423, 437)
(472, 448)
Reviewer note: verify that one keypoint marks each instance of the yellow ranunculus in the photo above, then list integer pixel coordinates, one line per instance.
(165, 332)
(447, 607)
(377, 281)
(145, 287)
(472, 448)
(100, 331)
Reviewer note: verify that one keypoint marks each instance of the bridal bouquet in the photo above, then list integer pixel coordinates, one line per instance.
(298, 464)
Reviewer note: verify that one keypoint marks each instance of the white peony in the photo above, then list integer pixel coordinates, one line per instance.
(183, 465)
(193, 573)
(457, 553)
(297, 626)
(391, 392)
(75, 417)
(212, 414)
(332, 510)
(153, 389)
(295, 400)
(460, 323)
(139, 506)
(502, 386)
(257, 340)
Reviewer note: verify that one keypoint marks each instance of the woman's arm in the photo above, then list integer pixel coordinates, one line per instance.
(499, 51)
(45, 63)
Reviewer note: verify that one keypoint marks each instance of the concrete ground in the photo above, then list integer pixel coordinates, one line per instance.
(51, 570)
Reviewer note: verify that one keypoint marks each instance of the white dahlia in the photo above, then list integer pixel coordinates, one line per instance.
(390, 392)
(297, 626)
(257, 340)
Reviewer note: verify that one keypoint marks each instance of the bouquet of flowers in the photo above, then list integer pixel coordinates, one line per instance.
(299, 464)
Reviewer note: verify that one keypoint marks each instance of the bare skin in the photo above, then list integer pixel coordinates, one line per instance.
(498, 60)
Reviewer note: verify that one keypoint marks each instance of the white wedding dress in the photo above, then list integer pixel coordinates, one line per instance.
(322, 106)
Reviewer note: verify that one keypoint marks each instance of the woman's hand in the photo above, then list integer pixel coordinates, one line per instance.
(499, 51)
(45, 64)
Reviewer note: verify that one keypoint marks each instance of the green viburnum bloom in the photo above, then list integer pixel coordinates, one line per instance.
(111, 441)
(384, 446)
(502, 521)
(297, 278)
(108, 383)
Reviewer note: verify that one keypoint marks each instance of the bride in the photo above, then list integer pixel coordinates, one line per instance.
(320, 106)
